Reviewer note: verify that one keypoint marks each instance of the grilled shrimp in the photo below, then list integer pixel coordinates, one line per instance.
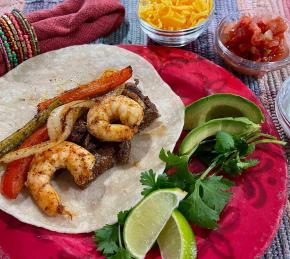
(77, 160)
(115, 108)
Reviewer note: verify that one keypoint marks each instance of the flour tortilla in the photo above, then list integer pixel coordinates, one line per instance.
(117, 189)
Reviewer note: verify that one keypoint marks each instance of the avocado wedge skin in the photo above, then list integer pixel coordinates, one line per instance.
(220, 106)
(235, 126)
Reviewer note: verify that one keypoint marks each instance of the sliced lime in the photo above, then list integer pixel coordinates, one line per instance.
(176, 240)
(148, 218)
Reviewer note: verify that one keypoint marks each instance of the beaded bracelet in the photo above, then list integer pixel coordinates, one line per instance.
(29, 48)
(29, 28)
(25, 37)
(5, 55)
(9, 20)
(24, 30)
(11, 40)
(18, 40)
(7, 48)
(32, 33)
(8, 32)
(20, 35)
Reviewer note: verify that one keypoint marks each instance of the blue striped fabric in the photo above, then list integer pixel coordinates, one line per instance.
(130, 33)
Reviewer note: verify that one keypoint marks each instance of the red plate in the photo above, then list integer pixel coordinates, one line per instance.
(248, 223)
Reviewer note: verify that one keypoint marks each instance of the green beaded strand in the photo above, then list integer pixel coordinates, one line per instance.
(11, 54)
(29, 28)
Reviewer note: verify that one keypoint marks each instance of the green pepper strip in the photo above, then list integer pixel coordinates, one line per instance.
(16, 138)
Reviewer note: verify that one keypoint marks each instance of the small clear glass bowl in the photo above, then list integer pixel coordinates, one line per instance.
(177, 38)
(282, 106)
(242, 65)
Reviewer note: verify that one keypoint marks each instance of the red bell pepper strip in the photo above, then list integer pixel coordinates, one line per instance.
(15, 174)
(100, 86)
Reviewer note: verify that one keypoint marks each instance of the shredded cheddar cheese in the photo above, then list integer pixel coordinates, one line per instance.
(174, 14)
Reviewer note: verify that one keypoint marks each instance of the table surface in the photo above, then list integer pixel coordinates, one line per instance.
(265, 88)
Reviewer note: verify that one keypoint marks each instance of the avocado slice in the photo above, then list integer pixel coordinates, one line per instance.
(235, 126)
(221, 106)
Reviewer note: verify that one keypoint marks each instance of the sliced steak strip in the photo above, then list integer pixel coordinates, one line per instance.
(123, 152)
(91, 144)
(104, 158)
(150, 111)
(79, 132)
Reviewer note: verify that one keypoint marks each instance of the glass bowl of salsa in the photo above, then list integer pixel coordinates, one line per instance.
(254, 43)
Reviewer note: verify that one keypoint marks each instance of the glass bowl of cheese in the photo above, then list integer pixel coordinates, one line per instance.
(175, 23)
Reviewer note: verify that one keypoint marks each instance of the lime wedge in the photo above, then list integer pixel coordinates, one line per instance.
(148, 218)
(176, 240)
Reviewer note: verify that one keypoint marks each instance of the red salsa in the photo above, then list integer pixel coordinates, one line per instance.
(257, 38)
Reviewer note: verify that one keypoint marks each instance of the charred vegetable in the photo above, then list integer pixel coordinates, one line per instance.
(15, 174)
(98, 87)
(15, 139)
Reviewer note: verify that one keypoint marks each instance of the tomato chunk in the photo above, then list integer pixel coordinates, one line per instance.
(257, 38)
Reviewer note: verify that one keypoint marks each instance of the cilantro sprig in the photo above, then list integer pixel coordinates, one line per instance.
(109, 239)
(230, 153)
(206, 199)
(208, 193)
(151, 183)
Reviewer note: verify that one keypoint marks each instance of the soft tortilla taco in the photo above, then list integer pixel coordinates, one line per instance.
(116, 186)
